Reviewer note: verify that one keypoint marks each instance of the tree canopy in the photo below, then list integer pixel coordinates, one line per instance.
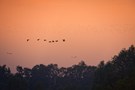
(116, 74)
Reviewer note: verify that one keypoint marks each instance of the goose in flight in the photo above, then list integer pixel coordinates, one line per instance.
(38, 39)
(56, 40)
(64, 40)
(9, 53)
(28, 40)
(45, 40)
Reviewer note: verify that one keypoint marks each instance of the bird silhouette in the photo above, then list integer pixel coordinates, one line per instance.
(9, 53)
(64, 40)
(56, 40)
(28, 40)
(50, 41)
(38, 39)
(45, 40)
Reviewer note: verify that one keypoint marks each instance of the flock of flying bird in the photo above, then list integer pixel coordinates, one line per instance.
(52, 41)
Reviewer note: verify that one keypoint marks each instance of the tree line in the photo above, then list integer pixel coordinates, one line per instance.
(116, 74)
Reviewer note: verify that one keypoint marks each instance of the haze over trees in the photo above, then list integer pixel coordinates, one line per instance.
(116, 74)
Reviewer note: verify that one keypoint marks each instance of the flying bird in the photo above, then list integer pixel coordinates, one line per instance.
(28, 40)
(49, 41)
(9, 53)
(52, 40)
(38, 39)
(64, 40)
(56, 40)
(45, 40)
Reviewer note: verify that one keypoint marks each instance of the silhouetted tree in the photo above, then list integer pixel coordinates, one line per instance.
(116, 74)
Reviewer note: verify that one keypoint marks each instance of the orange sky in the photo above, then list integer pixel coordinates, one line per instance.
(94, 30)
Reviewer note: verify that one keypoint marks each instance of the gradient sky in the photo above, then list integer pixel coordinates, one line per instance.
(94, 30)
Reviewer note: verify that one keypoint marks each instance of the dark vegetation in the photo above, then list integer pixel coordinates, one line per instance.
(116, 74)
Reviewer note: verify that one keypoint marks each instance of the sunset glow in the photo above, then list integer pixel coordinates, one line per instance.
(93, 30)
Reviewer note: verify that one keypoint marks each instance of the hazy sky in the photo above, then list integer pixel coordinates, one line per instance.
(94, 30)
